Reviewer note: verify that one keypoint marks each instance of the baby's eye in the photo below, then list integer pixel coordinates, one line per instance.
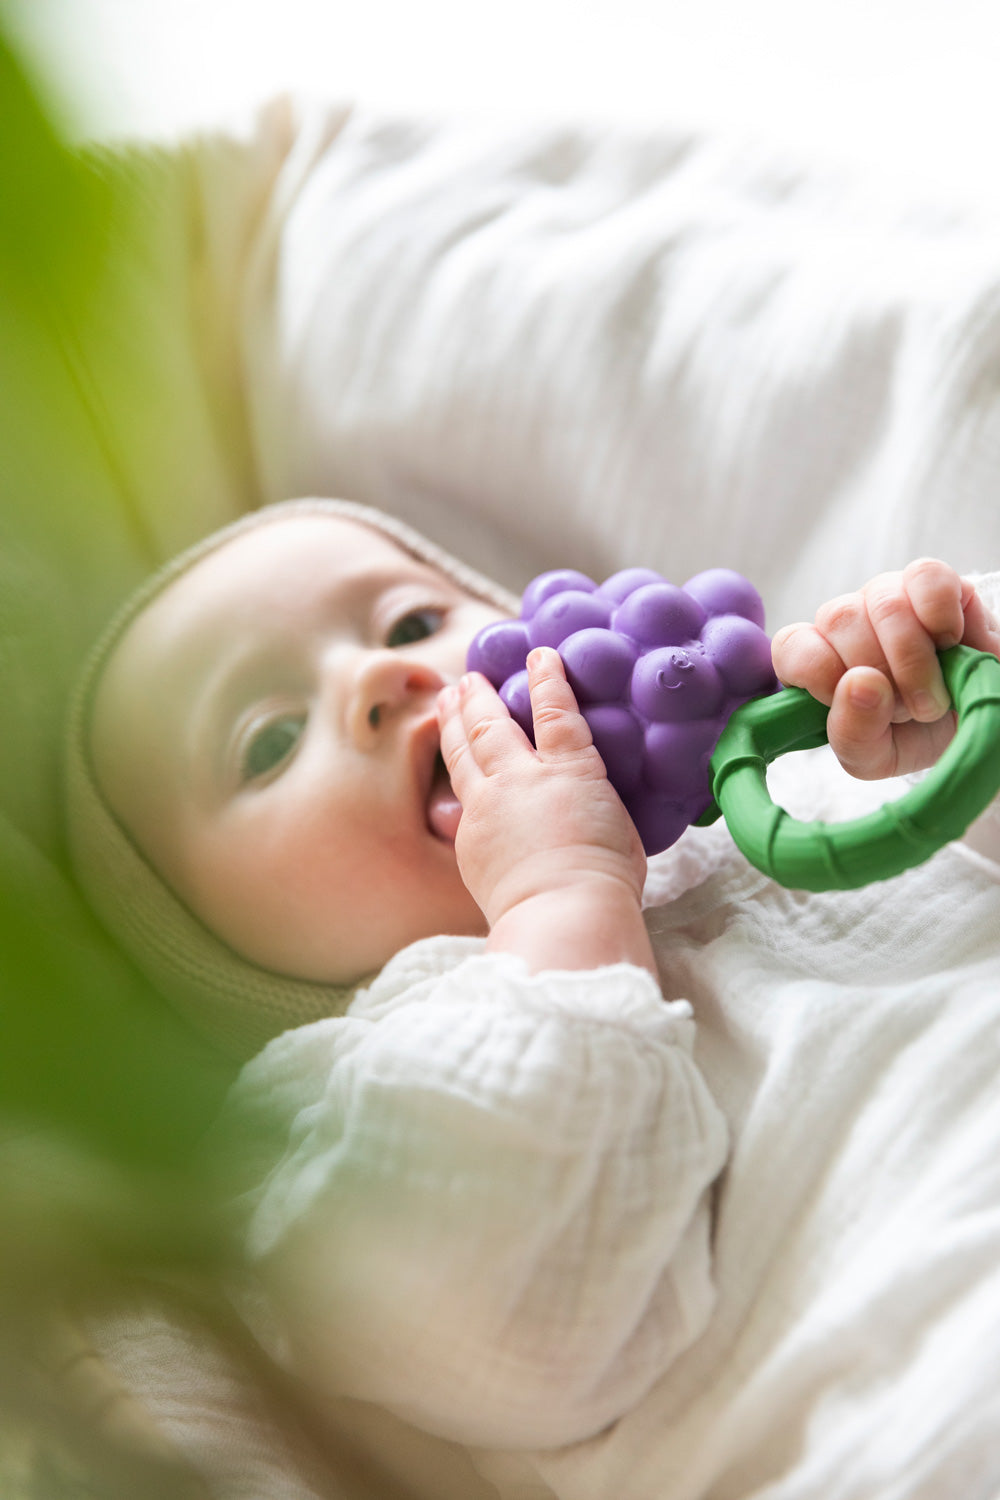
(269, 745)
(417, 625)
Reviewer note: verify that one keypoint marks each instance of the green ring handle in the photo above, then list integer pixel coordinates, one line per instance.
(822, 856)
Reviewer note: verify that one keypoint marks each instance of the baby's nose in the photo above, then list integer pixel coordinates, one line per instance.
(389, 686)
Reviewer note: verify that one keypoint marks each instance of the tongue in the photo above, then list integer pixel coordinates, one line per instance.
(443, 810)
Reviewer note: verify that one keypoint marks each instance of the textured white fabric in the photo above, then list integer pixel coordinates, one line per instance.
(484, 1204)
(509, 1166)
(584, 347)
(240, 1426)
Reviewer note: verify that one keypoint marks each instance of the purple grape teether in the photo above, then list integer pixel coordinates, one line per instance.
(657, 670)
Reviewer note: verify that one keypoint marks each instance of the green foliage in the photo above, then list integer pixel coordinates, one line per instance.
(85, 1048)
(55, 214)
(103, 1094)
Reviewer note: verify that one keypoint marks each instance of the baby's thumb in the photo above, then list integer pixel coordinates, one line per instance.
(859, 724)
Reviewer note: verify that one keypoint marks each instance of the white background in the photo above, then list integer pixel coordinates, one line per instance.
(908, 85)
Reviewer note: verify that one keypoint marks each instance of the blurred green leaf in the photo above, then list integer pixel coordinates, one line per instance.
(103, 1093)
(84, 1044)
(54, 206)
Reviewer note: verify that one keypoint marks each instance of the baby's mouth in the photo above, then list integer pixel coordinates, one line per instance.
(443, 808)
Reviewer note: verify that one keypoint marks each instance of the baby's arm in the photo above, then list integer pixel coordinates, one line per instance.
(544, 844)
(480, 1200)
(871, 656)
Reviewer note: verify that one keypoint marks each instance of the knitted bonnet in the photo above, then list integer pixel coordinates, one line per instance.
(232, 1001)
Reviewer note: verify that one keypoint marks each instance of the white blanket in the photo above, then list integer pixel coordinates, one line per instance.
(573, 348)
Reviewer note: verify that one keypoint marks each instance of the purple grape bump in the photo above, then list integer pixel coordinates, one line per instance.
(656, 670)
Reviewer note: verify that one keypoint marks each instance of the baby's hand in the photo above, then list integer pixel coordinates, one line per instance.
(871, 657)
(544, 843)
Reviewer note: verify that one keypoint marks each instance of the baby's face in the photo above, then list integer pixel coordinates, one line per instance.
(266, 731)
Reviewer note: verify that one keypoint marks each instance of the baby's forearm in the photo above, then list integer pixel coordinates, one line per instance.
(583, 926)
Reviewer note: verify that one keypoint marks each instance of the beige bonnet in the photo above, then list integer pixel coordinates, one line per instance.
(233, 1002)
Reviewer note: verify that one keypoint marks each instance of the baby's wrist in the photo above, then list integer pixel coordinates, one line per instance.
(584, 925)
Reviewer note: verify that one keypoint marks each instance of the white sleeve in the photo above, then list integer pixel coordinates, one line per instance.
(487, 1210)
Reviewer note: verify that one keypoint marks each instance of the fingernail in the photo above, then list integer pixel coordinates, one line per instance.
(865, 694)
(928, 705)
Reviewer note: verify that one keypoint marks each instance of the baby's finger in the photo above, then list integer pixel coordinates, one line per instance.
(804, 658)
(935, 594)
(846, 624)
(981, 628)
(490, 732)
(859, 724)
(909, 651)
(455, 752)
(559, 726)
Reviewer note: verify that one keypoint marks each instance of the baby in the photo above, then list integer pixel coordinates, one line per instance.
(517, 1066)
(270, 728)
(257, 805)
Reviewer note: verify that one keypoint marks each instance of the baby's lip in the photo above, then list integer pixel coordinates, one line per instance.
(438, 804)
